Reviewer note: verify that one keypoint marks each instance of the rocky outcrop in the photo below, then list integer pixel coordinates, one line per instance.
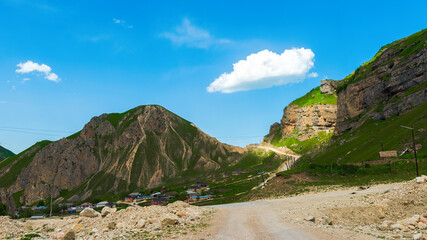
(142, 148)
(305, 122)
(61, 165)
(390, 84)
(7, 199)
(328, 86)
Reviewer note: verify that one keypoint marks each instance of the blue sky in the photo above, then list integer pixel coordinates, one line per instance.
(110, 56)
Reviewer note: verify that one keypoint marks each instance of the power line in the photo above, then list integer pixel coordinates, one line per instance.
(35, 129)
(27, 132)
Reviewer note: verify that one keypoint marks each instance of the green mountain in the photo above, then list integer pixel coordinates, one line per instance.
(4, 153)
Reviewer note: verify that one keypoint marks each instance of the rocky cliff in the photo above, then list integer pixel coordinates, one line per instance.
(306, 118)
(4, 153)
(392, 83)
(142, 148)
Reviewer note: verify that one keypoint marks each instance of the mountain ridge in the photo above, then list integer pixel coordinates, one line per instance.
(145, 147)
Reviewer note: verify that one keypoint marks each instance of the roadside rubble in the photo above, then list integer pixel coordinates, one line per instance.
(396, 213)
(131, 223)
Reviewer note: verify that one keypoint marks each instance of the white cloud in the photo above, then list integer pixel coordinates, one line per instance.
(122, 22)
(266, 69)
(30, 66)
(191, 36)
(25, 79)
(313, 75)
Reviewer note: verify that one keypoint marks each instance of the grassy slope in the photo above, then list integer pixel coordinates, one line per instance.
(364, 143)
(4, 153)
(314, 97)
(360, 145)
(410, 44)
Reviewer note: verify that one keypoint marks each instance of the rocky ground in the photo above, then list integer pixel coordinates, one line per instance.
(394, 211)
(173, 221)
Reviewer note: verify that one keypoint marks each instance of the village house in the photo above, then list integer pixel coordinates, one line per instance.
(202, 185)
(196, 189)
(388, 154)
(39, 208)
(157, 194)
(110, 204)
(192, 194)
(86, 205)
(67, 205)
(159, 201)
(202, 198)
(101, 204)
(134, 195)
(171, 194)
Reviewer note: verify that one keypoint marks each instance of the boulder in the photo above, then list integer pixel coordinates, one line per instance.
(70, 235)
(425, 215)
(422, 226)
(107, 210)
(422, 179)
(418, 236)
(397, 226)
(111, 225)
(141, 223)
(385, 226)
(77, 227)
(181, 214)
(412, 221)
(310, 219)
(89, 212)
(325, 221)
(169, 221)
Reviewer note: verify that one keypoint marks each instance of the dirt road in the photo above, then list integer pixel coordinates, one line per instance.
(259, 220)
(275, 219)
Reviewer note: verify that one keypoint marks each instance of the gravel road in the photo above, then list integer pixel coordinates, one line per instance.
(259, 220)
(275, 219)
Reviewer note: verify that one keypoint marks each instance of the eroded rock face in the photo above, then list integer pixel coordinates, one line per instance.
(305, 122)
(385, 86)
(308, 121)
(64, 164)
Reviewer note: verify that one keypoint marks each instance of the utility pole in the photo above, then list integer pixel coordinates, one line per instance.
(51, 190)
(415, 149)
(262, 176)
